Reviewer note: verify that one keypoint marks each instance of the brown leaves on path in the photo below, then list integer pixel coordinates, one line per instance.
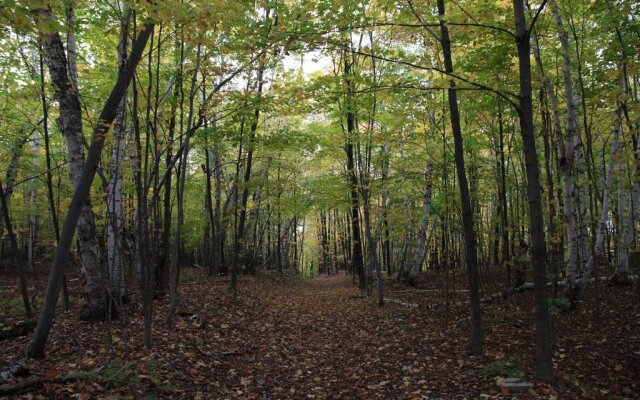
(322, 338)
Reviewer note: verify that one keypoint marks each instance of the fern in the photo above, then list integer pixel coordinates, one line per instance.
(82, 375)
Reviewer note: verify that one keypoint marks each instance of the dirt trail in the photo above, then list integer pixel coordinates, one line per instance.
(287, 338)
(325, 339)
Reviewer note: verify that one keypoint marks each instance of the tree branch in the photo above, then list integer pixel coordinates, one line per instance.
(535, 17)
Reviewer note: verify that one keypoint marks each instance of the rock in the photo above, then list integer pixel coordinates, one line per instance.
(16, 371)
(513, 385)
(18, 329)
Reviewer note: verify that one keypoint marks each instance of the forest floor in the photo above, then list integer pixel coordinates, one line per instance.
(285, 337)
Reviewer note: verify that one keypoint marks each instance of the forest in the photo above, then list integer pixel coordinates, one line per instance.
(270, 199)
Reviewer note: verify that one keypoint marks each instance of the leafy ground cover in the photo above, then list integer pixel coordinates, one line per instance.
(285, 337)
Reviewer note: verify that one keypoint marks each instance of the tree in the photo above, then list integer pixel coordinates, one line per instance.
(81, 191)
(544, 365)
(63, 75)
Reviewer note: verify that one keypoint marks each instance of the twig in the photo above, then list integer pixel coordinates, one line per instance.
(26, 386)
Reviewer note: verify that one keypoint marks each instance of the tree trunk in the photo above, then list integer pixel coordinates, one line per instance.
(419, 255)
(70, 124)
(115, 210)
(504, 211)
(17, 255)
(625, 228)
(47, 150)
(356, 240)
(573, 153)
(604, 208)
(180, 187)
(82, 189)
(471, 256)
(239, 234)
(544, 365)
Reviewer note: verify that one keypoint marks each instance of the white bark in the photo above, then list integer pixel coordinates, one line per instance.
(626, 217)
(418, 257)
(32, 220)
(72, 55)
(604, 211)
(572, 144)
(625, 228)
(115, 211)
(70, 124)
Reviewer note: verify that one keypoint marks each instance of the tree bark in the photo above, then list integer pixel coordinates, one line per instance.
(239, 234)
(180, 187)
(82, 189)
(604, 208)
(471, 256)
(115, 210)
(70, 124)
(17, 255)
(49, 176)
(573, 152)
(419, 255)
(544, 365)
(356, 239)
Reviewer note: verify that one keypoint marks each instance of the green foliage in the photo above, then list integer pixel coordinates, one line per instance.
(512, 367)
(558, 305)
(83, 376)
(117, 373)
(154, 376)
(13, 306)
(114, 374)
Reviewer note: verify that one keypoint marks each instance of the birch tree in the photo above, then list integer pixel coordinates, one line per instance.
(115, 210)
(64, 78)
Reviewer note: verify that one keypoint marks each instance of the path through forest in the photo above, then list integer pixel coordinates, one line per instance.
(325, 339)
(285, 337)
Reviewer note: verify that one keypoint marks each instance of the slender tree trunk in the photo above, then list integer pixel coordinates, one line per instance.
(142, 242)
(356, 240)
(471, 256)
(163, 264)
(115, 210)
(604, 208)
(419, 255)
(219, 227)
(49, 177)
(504, 211)
(573, 154)
(239, 234)
(551, 200)
(180, 188)
(544, 365)
(210, 227)
(17, 255)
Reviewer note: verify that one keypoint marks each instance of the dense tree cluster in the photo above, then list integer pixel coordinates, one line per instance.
(384, 137)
